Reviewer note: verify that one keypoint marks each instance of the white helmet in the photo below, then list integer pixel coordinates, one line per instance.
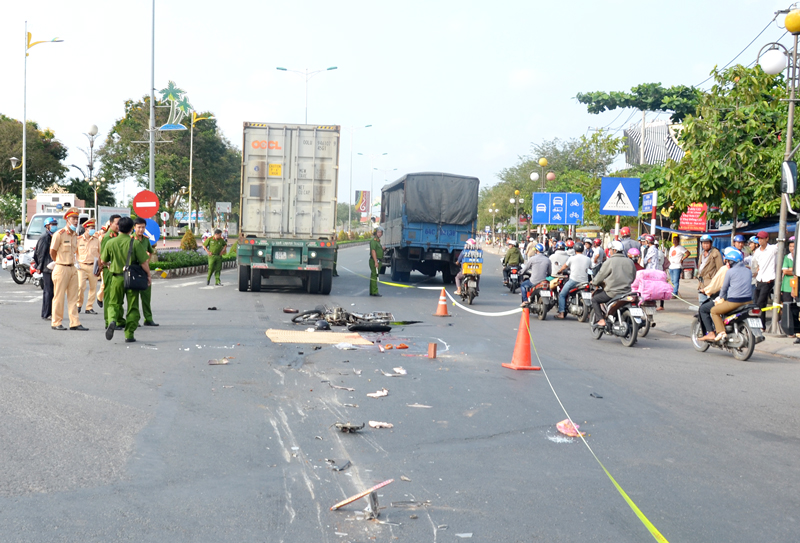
(617, 246)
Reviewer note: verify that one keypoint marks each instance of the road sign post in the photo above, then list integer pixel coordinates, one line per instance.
(557, 208)
(145, 204)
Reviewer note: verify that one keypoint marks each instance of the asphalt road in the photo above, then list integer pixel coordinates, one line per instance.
(147, 442)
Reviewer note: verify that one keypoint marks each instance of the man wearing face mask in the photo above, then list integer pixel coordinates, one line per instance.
(88, 253)
(65, 276)
(42, 260)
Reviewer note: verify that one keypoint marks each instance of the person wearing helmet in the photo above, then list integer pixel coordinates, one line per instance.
(42, 261)
(738, 243)
(570, 245)
(764, 257)
(712, 291)
(470, 245)
(578, 265)
(598, 255)
(627, 242)
(538, 267)
(677, 254)
(735, 292)
(650, 260)
(559, 256)
(709, 261)
(513, 257)
(616, 274)
(635, 255)
(375, 258)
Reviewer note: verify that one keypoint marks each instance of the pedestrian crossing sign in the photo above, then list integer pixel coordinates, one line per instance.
(619, 196)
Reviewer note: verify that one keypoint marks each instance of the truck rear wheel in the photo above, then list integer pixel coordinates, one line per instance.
(255, 280)
(396, 276)
(244, 278)
(312, 285)
(447, 275)
(325, 281)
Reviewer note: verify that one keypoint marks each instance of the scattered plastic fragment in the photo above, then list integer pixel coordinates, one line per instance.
(342, 388)
(290, 310)
(360, 495)
(402, 346)
(399, 370)
(413, 517)
(341, 534)
(419, 405)
(379, 394)
(357, 372)
(318, 437)
(568, 428)
(349, 427)
(444, 526)
(212, 308)
(411, 503)
(338, 465)
(317, 347)
(404, 478)
(388, 346)
(343, 346)
(595, 395)
(227, 386)
(464, 536)
(378, 424)
(350, 405)
(387, 374)
(218, 362)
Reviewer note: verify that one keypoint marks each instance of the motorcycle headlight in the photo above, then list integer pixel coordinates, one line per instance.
(312, 254)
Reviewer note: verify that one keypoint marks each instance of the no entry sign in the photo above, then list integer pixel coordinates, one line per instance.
(145, 204)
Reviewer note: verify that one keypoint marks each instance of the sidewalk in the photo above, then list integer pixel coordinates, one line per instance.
(677, 317)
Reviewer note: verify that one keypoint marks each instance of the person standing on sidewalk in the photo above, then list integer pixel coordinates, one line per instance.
(215, 246)
(88, 253)
(764, 256)
(677, 254)
(710, 261)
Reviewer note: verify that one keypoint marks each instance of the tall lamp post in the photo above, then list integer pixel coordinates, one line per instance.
(350, 197)
(516, 201)
(195, 118)
(28, 45)
(774, 61)
(308, 75)
(493, 210)
(96, 183)
(91, 135)
(372, 177)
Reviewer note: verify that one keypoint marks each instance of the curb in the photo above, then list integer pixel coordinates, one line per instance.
(189, 270)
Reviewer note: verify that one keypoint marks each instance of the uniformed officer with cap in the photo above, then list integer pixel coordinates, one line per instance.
(146, 295)
(215, 247)
(88, 253)
(65, 274)
(112, 231)
(375, 258)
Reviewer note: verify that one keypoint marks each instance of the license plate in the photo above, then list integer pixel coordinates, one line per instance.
(636, 312)
(545, 294)
(586, 295)
(755, 324)
(650, 310)
(281, 255)
(436, 256)
(472, 284)
(513, 276)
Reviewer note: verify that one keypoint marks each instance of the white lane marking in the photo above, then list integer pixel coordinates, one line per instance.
(181, 285)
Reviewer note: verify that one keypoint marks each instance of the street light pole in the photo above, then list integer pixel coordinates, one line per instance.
(152, 130)
(308, 75)
(350, 196)
(372, 158)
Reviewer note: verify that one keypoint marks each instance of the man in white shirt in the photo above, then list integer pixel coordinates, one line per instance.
(677, 254)
(764, 256)
(578, 265)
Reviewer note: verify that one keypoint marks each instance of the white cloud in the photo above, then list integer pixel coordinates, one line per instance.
(522, 78)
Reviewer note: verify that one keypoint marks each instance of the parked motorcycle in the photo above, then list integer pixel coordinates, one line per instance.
(19, 264)
(579, 299)
(743, 329)
(623, 318)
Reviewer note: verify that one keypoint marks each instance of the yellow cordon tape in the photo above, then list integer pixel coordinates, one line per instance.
(642, 518)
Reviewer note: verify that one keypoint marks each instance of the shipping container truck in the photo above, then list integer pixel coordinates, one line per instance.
(427, 218)
(287, 218)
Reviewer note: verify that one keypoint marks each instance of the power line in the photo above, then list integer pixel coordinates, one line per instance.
(743, 50)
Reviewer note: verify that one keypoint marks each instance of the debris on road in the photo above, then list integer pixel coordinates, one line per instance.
(342, 388)
(349, 427)
(400, 370)
(419, 405)
(379, 394)
(338, 465)
(378, 424)
(464, 536)
(411, 503)
(388, 346)
(569, 428)
(212, 308)
(345, 347)
(413, 517)
(360, 495)
(290, 310)
(318, 437)
(350, 405)
(301, 336)
(387, 374)
(595, 395)
(218, 362)
(432, 350)
(404, 478)
(402, 346)
(357, 372)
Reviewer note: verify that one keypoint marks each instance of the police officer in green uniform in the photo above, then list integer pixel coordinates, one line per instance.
(375, 258)
(112, 231)
(215, 247)
(114, 255)
(145, 295)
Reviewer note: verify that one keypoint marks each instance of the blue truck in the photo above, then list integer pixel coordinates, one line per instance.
(427, 217)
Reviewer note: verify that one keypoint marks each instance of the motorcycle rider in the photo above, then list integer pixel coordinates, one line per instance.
(560, 256)
(539, 267)
(570, 247)
(512, 258)
(42, 260)
(598, 255)
(587, 247)
(735, 292)
(710, 260)
(469, 246)
(530, 250)
(634, 254)
(578, 273)
(617, 273)
(627, 242)
(712, 291)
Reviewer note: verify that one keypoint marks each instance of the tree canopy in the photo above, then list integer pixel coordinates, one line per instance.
(680, 100)
(44, 156)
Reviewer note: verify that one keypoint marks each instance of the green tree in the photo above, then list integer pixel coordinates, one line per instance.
(44, 155)
(680, 100)
(83, 191)
(733, 147)
(10, 208)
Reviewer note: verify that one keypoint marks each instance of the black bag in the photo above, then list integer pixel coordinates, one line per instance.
(133, 275)
(789, 317)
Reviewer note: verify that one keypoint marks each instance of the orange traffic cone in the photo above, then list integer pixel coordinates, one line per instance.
(441, 309)
(522, 349)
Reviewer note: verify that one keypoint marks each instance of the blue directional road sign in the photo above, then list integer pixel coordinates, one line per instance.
(557, 208)
(152, 231)
(647, 202)
(619, 196)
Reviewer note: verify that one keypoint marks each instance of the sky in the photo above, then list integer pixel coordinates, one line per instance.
(461, 87)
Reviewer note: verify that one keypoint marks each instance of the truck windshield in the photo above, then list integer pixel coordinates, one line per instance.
(36, 226)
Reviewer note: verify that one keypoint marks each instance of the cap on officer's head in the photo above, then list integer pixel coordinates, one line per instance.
(72, 212)
(89, 224)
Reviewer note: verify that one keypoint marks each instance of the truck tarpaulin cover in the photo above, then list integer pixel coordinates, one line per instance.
(440, 198)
